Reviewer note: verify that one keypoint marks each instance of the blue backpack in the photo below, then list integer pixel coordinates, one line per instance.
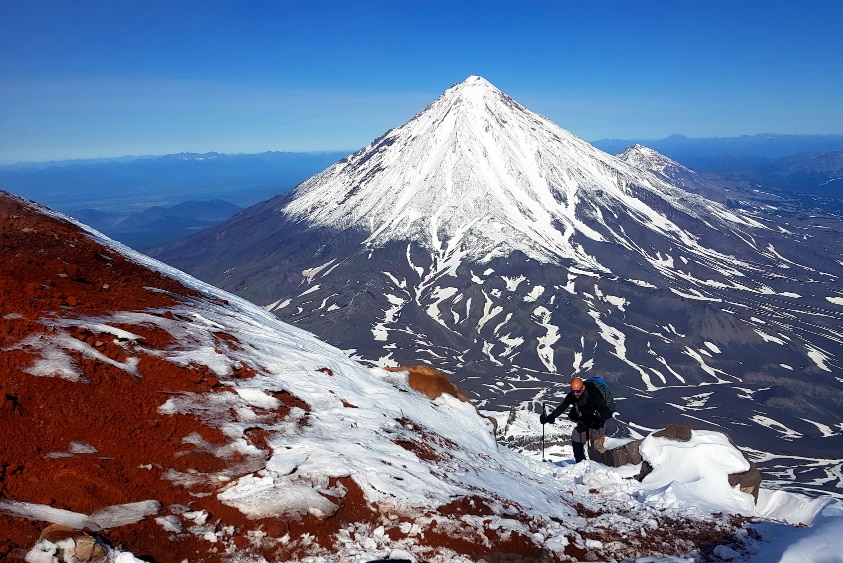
(604, 390)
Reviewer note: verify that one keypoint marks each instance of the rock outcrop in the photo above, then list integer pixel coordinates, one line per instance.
(432, 383)
(64, 544)
(627, 454)
(749, 481)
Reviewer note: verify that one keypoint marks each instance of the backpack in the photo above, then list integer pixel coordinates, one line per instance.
(604, 390)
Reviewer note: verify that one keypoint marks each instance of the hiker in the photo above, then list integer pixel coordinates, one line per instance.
(589, 410)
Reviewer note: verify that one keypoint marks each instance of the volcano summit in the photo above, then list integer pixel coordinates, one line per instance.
(483, 239)
(477, 175)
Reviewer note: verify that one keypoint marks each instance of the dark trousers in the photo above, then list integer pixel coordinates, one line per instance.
(581, 435)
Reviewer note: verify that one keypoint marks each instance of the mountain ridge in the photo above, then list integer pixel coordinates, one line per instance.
(764, 145)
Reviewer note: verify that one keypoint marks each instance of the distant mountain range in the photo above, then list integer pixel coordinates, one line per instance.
(795, 164)
(158, 225)
(133, 184)
(124, 197)
(806, 173)
(148, 201)
(483, 239)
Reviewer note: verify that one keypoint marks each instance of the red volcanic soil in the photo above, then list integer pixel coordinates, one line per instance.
(98, 441)
(51, 270)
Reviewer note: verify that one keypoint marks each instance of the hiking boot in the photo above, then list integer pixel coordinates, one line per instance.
(579, 451)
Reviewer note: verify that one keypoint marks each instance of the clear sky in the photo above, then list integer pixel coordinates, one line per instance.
(91, 78)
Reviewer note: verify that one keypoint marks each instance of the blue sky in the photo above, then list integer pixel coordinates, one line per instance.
(84, 78)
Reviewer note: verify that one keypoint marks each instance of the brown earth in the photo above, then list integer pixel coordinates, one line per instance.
(432, 383)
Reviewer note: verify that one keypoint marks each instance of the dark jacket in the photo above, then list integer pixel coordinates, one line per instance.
(589, 408)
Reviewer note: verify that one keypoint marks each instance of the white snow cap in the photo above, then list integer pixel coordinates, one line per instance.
(647, 158)
(695, 473)
(476, 173)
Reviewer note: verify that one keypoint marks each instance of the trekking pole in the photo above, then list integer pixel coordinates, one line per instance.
(544, 414)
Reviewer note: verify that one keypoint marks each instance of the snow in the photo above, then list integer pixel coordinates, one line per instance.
(79, 447)
(820, 359)
(260, 497)
(545, 343)
(46, 551)
(822, 543)
(787, 433)
(363, 444)
(108, 517)
(691, 473)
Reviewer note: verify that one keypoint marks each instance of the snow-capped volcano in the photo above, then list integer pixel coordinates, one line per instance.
(485, 240)
(477, 174)
(646, 158)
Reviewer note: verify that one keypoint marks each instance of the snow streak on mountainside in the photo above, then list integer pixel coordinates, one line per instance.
(485, 240)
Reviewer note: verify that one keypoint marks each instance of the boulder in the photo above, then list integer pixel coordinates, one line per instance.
(432, 383)
(627, 454)
(675, 432)
(63, 544)
(749, 481)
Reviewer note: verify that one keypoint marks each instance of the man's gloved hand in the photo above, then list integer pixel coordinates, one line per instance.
(546, 418)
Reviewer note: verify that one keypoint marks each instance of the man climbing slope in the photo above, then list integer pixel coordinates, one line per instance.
(589, 409)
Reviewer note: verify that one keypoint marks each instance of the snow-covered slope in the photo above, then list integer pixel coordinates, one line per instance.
(735, 196)
(202, 426)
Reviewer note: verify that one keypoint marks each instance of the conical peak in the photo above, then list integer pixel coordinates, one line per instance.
(640, 148)
(645, 157)
(475, 173)
(474, 163)
(475, 82)
(472, 90)
(637, 152)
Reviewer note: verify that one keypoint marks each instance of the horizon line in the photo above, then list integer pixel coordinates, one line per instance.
(632, 140)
